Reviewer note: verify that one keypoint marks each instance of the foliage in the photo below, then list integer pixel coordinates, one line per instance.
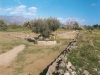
(40, 26)
(96, 26)
(27, 25)
(86, 56)
(14, 26)
(71, 24)
(91, 27)
(45, 26)
(75, 25)
(53, 23)
(88, 27)
(3, 26)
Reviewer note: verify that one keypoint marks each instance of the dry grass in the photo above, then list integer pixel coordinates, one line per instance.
(67, 34)
(84, 39)
(86, 56)
(91, 43)
(33, 59)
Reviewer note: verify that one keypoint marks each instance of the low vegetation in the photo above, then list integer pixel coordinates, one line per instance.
(87, 54)
(31, 56)
(3, 26)
(45, 26)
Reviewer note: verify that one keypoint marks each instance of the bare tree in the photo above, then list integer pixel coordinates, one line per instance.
(72, 24)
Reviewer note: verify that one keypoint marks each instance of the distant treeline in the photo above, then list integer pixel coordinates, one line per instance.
(95, 26)
(72, 25)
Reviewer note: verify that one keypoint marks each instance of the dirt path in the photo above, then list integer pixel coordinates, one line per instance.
(9, 56)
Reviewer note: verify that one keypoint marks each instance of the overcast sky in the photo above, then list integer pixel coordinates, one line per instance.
(83, 11)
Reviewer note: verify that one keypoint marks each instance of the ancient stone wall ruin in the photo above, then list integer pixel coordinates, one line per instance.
(46, 42)
(31, 38)
(60, 66)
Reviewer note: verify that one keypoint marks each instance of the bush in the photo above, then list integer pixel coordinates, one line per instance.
(3, 26)
(27, 25)
(88, 27)
(45, 26)
(14, 26)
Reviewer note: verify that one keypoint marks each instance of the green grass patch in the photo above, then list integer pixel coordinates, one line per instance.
(86, 56)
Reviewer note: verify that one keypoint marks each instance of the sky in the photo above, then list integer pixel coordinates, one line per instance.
(85, 12)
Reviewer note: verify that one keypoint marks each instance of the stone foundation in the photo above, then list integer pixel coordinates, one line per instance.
(57, 66)
(46, 42)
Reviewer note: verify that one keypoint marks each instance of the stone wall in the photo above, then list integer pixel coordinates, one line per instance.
(31, 38)
(46, 42)
(61, 66)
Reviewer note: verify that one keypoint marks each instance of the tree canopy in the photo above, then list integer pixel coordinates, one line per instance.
(45, 26)
(3, 26)
(14, 26)
(71, 24)
(27, 25)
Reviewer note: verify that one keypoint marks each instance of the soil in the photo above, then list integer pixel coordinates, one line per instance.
(8, 57)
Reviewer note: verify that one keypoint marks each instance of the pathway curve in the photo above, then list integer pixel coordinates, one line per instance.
(8, 57)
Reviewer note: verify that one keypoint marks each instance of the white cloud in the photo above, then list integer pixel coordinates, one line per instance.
(64, 20)
(60, 18)
(8, 9)
(32, 9)
(19, 10)
(79, 20)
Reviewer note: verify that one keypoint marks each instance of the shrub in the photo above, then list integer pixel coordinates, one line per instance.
(3, 26)
(45, 26)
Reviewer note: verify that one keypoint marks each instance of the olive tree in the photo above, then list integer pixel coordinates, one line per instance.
(45, 26)
(53, 23)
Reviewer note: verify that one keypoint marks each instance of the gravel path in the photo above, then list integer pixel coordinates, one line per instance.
(8, 57)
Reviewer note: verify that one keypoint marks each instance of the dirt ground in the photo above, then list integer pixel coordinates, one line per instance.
(8, 57)
(34, 58)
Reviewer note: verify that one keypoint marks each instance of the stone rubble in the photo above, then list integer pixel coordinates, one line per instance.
(61, 66)
(31, 38)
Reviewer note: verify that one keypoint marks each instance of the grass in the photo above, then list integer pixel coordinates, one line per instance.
(7, 43)
(86, 56)
(33, 59)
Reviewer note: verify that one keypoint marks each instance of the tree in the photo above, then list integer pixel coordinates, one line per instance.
(75, 25)
(27, 25)
(88, 27)
(3, 26)
(14, 26)
(37, 25)
(71, 24)
(53, 23)
(45, 26)
(95, 26)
